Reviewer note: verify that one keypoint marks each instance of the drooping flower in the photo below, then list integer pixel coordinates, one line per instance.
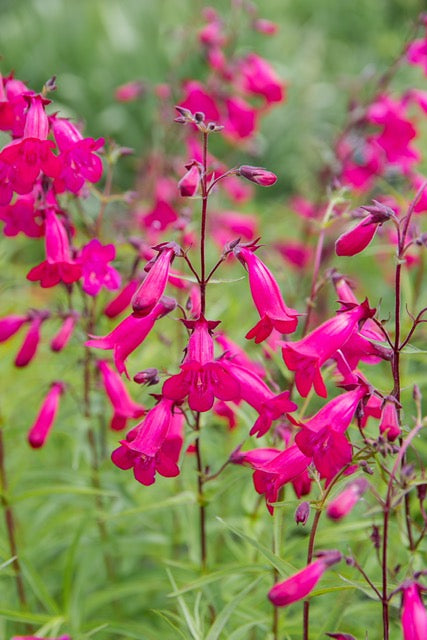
(146, 449)
(9, 325)
(122, 299)
(59, 265)
(123, 405)
(306, 356)
(344, 502)
(416, 53)
(130, 333)
(154, 284)
(298, 586)
(414, 614)
(32, 339)
(259, 78)
(389, 422)
(62, 337)
(202, 378)
(266, 296)
(46, 416)
(241, 119)
(96, 272)
(189, 184)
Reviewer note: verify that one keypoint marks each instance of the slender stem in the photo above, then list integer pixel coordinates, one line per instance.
(306, 612)
(105, 199)
(10, 526)
(201, 497)
(205, 196)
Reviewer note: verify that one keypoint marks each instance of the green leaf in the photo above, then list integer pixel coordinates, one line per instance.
(191, 624)
(221, 620)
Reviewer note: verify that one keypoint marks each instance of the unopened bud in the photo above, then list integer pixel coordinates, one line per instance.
(259, 175)
(422, 491)
(147, 376)
(302, 513)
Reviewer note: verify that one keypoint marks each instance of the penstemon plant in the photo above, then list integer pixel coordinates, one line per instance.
(323, 404)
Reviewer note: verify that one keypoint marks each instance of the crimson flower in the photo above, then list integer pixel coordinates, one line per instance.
(154, 284)
(96, 271)
(123, 405)
(46, 416)
(414, 614)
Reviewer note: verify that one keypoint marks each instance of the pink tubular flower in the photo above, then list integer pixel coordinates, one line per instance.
(22, 217)
(202, 379)
(255, 392)
(122, 299)
(59, 265)
(414, 614)
(344, 502)
(33, 153)
(9, 325)
(416, 53)
(154, 284)
(130, 333)
(241, 120)
(31, 341)
(78, 159)
(97, 273)
(123, 405)
(61, 339)
(356, 239)
(238, 355)
(266, 296)
(259, 78)
(189, 184)
(143, 449)
(46, 416)
(259, 175)
(298, 586)
(129, 92)
(306, 356)
(389, 423)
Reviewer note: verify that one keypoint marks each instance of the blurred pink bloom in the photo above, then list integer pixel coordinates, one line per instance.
(62, 337)
(306, 356)
(9, 325)
(22, 217)
(202, 378)
(344, 502)
(161, 216)
(129, 92)
(240, 120)
(266, 296)
(298, 586)
(97, 273)
(238, 355)
(229, 224)
(123, 405)
(416, 53)
(198, 99)
(223, 410)
(122, 299)
(59, 264)
(267, 27)
(146, 448)
(414, 614)
(259, 175)
(46, 416)
(389, 423)
(295, 253)
(79, 162)
(154, 284)
(362, 161)
(258, 77)
(31, 341)
(130, 333)
(212, 35)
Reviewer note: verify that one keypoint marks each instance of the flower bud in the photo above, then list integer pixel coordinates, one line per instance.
(302, 513)
(259, 175)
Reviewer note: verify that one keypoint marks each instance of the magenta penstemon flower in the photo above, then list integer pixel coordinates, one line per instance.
(96, 271)
(154, 284)
(266, 295)
(123, 405)
(9, 325)
(122, 299)
(389, 422)
(130, 333)
(414, 614)
(31, 341)
(46, 416)
(202, 378)
(344, 502)
(306, 356)
(62, 337)
(259, 175)
(300, 584)
(189, 184)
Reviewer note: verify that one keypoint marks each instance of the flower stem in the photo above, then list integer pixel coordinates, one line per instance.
(10, 526)
(201, 498)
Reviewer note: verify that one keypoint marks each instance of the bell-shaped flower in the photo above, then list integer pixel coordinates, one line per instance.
(306, 356)
(130, 333)
(257, 394)
(389, 422)
(31, 341)
(79, 162)
(123, 405)
(96, 272)
(46, 416)
(9, 325)
(143, 448)
(33, 153)
(298, 586)
(59, 265)
(259, 77)
(122, 300)
(202, 378)
(414, 614)
(266, 296)
(154, 284)
(344, 502)
(62, 337)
